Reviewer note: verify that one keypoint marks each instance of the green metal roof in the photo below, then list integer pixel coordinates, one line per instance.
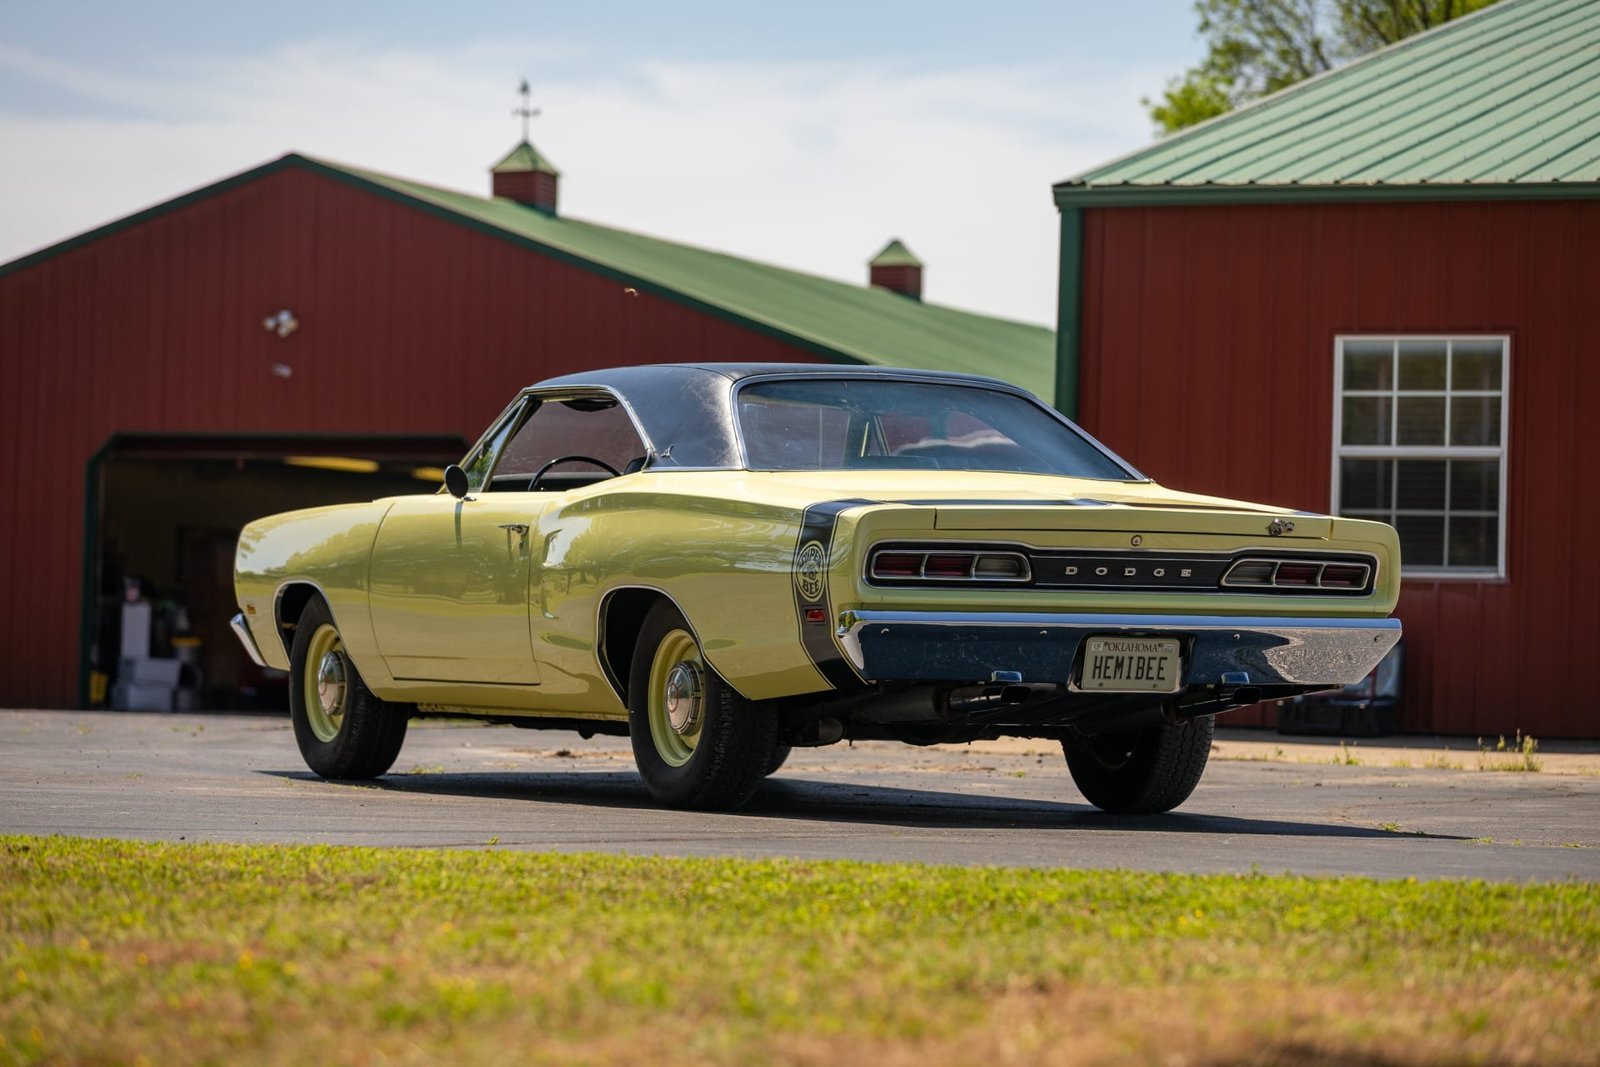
(895, 254)
(844, 323)
(524, 157)
(1502, 102)
(847, 323)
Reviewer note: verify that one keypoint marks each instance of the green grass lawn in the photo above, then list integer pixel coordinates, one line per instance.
(133, 952)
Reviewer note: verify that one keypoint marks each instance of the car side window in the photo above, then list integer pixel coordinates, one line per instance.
(585, 428)
(796, 436)
(481, 462)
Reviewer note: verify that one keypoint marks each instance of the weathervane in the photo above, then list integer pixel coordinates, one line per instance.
(525, 111)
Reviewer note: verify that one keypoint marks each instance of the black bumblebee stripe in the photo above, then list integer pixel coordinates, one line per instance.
(811, 553)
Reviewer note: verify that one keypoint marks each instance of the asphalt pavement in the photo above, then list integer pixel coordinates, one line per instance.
(240, 778)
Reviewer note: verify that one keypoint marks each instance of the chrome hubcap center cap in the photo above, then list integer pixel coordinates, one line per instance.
(330, 684)
(684, 698)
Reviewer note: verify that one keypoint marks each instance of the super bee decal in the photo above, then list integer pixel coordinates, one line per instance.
(809, 564)
(815, 614)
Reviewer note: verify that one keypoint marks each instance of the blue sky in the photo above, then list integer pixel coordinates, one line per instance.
(805, 136)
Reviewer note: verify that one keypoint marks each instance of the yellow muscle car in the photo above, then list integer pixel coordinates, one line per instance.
(723, 562)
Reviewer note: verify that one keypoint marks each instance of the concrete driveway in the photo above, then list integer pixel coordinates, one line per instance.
(1262, 805)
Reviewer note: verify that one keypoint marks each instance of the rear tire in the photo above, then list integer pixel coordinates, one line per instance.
(343, 730)
(780, 753)
(1141, 771)
(697, 743)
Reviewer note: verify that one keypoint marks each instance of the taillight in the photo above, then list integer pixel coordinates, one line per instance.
(1297, 574)
(1335, 577)
(1344, 576)
(948, 566)
(1009, 567)
(900, 565)
(1252, 572)
(896, 565)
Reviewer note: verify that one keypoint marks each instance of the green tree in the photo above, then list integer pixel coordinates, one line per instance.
(1255, 47)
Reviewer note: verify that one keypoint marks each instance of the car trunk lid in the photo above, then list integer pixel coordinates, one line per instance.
(1133, 518)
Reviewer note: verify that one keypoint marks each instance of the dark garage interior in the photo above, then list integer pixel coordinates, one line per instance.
(165, 515)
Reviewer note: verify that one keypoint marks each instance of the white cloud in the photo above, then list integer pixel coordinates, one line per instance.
(809, 165)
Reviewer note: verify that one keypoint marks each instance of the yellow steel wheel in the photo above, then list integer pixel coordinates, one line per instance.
(677, 697)
(343, 729)
(326, 683)
(697, 742)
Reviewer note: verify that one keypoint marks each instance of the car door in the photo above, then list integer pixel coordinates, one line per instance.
(452, 580)
(449, 578)
(449, 589)
(586, 447)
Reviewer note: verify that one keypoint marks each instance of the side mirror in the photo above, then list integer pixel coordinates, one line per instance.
(455, 480)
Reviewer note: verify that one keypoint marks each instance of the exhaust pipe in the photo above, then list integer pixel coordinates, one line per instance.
(943, 703)
(816, 734)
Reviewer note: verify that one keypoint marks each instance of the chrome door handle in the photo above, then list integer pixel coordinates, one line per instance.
(520, 528)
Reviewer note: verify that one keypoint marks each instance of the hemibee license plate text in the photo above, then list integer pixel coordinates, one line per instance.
(1131, 665)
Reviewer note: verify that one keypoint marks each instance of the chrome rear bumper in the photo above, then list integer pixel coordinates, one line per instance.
(241, 630)
(1218, 649)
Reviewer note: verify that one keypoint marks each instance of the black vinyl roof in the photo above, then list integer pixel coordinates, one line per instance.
(685, 410)
(615, 376)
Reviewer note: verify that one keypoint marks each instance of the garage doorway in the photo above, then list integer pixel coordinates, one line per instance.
(163, 517)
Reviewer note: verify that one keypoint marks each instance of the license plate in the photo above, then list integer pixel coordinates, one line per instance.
(1131, 665)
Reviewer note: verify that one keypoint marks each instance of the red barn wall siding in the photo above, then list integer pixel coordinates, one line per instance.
(409, 324)
(1208, 338)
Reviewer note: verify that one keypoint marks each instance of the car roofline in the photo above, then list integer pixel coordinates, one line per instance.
(609, 376)
(624, 384)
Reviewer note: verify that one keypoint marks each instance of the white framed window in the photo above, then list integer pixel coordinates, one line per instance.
(1420, 425)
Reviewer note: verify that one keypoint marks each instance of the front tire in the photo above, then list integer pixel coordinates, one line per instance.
(697, 743)
(343, 730)
(1141, 772)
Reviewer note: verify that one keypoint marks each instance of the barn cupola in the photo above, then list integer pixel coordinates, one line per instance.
(897, 269)
(527, 177)
(524, 175)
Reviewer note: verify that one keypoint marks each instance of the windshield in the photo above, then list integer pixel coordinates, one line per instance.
(845, 424)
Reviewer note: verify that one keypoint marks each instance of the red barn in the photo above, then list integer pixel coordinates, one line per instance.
(307, 332)
(1378, 293)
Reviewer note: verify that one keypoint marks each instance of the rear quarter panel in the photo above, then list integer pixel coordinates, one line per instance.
(719, 546)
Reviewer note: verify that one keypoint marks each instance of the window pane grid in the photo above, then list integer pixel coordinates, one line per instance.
(1437, 512)
(1420, 423)
(1420, 451)
(1422, 392)
(1423, 571)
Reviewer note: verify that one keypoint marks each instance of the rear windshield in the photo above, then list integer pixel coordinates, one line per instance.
(845, 424)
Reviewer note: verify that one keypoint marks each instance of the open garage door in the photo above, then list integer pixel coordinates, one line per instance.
(164, 515)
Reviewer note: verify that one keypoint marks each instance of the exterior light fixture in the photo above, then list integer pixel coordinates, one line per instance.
(334, 463)
(283, 323)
